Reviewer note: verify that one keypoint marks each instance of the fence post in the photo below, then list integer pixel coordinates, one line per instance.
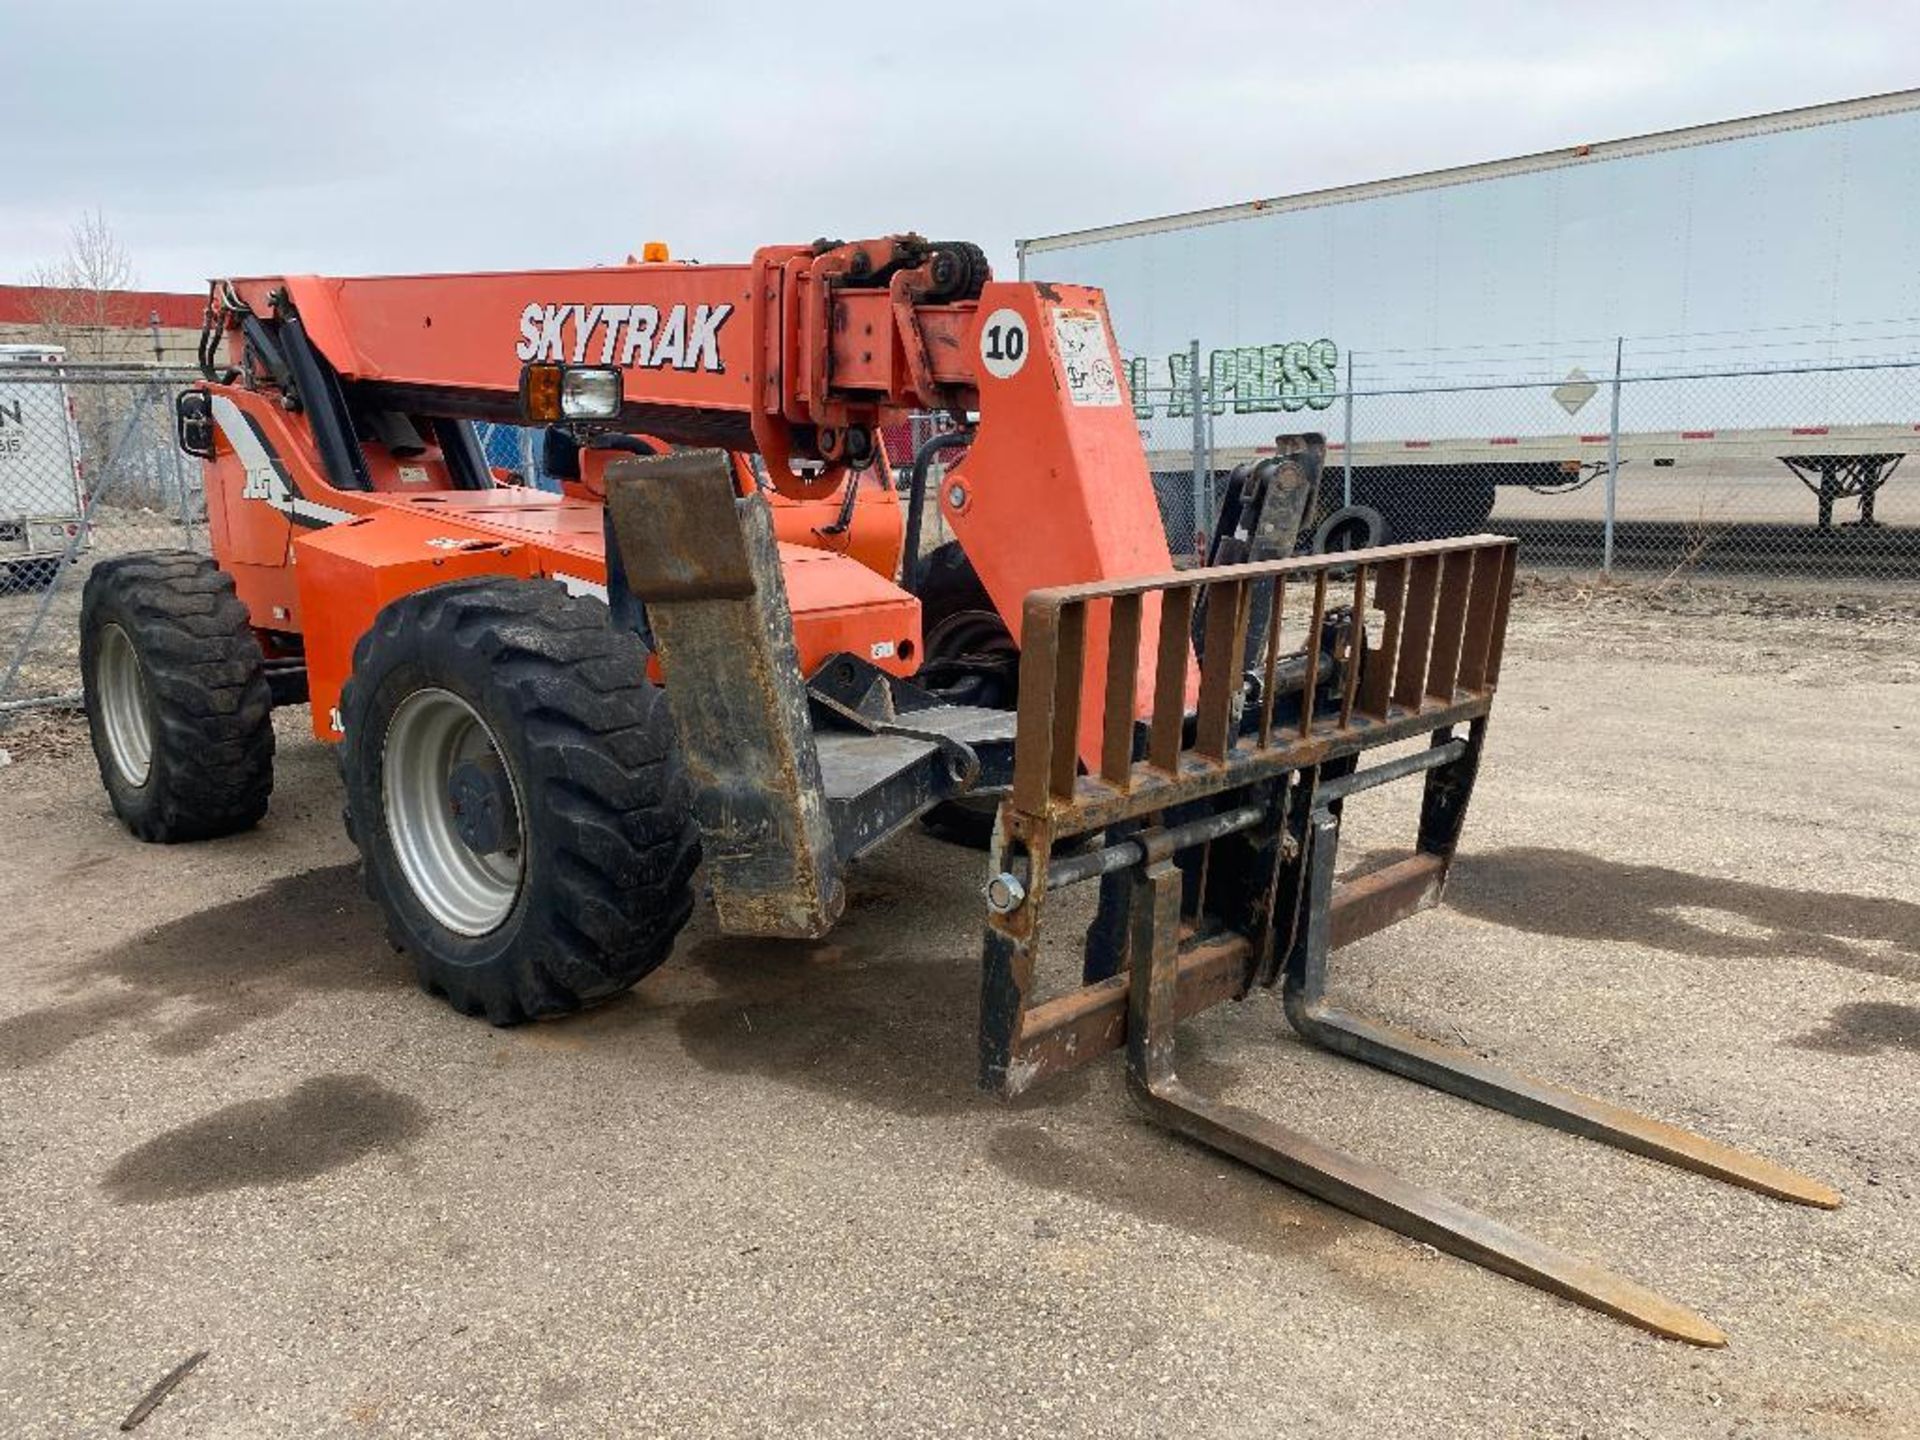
(1613, 460)
(1346, 441)
(1202, 475)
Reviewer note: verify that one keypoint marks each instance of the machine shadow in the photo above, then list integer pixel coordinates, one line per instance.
(1582, 897)
(187, 983)
(321, 1124)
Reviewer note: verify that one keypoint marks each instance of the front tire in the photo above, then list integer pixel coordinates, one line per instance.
(514, 790)
(177, 702)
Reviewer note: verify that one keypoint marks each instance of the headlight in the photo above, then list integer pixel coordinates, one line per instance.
(590, 394)
(550, 393)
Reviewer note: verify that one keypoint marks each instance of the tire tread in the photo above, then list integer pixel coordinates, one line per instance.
(607, 798)
(213, 745)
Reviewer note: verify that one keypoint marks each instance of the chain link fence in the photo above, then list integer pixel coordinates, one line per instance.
(1789, 476)
(1782, 478)
(88, 469)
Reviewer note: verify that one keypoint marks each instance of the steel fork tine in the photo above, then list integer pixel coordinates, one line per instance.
(1461, 1073)
(1379, 1195)
(1340, 1179)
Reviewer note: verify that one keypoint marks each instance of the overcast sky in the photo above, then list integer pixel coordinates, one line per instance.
(351, 137)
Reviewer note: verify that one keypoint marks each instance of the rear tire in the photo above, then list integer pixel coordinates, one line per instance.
(514, 790)
(177, 704)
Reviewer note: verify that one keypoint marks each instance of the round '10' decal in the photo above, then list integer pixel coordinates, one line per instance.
(1004, 344)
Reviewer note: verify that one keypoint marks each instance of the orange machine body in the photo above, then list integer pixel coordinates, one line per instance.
(790, 357)
(318, 563)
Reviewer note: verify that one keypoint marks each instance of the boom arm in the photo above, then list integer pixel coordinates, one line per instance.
(801, 354)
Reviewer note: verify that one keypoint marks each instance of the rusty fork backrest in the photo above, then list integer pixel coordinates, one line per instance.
(1218, 868)
(1443, 613)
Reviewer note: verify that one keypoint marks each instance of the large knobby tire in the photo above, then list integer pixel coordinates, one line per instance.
(176, 698)
(515, 792)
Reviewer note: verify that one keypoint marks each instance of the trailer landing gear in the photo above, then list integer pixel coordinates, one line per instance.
(1843, 477)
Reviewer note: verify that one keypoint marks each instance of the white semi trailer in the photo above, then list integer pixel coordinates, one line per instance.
(1788, 241)
(42, 500)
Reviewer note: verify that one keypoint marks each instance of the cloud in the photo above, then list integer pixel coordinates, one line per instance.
(357, 137)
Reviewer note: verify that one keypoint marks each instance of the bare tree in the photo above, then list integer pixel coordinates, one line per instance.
(84, 303)
(82, 300)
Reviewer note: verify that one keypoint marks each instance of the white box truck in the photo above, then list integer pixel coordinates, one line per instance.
(1784, 240)
(42, 489)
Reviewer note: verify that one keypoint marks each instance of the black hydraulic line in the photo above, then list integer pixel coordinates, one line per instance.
(628, 444)
(209, 340)
(326, 406)
(460, 448)
(917, 498)
(260, 340)
(843, 520)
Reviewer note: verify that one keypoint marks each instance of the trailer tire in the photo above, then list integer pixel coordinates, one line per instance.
(1415, 502)
(514, 788)
(28, 577)
(176, 699)
(1351, 527)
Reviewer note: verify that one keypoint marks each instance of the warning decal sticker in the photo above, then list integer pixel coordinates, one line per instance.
(1086, 357)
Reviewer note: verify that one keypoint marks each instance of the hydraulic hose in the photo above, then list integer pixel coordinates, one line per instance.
(629, 444)
(917, 497)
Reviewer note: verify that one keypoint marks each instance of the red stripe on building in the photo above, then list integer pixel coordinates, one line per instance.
(118, 309)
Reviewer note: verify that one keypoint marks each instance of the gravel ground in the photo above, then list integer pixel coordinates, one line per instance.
(759, 1196)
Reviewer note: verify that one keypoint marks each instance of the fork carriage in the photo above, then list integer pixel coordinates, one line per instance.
(1212, 829)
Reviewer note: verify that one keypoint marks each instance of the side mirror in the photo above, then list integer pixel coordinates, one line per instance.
(193, 423)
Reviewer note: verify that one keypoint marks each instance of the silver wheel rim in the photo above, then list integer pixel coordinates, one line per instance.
(124, 713)
(468, 892)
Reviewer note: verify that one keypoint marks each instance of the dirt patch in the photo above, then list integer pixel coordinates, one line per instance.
(36, 735)
(1691, 599)
(1814, 638)
(897, 1033)
(1141, 1172)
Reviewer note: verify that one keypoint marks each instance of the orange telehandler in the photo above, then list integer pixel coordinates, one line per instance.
(720, 644)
